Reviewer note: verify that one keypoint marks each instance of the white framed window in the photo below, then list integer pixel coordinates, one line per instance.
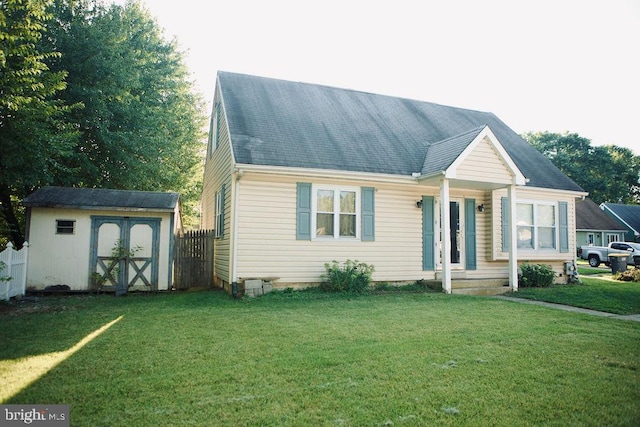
(591, 239)
(336, 212)
(219, 213)
(536, 225)
(613, 238)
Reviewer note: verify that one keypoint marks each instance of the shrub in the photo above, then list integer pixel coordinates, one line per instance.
(632, 275)
(354, 276)
(536, 276)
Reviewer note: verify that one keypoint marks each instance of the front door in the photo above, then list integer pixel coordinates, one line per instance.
(124, 253)
(456, 225)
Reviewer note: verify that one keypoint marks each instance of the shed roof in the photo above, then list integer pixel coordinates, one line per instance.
(282, 123)
(589, 216)
(97, 198)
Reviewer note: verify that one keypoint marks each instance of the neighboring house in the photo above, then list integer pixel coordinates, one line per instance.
(628, 216)
(84, 238)
(594, 227)
(298, 175)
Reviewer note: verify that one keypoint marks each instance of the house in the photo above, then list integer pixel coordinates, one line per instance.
(628, 216)
(87, 238)
(594, 227)
(297, 175)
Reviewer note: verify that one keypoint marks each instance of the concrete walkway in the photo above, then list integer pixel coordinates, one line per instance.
(632, 317)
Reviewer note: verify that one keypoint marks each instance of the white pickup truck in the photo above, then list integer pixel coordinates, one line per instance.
(600, 254)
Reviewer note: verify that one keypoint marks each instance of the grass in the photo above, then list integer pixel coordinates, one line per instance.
(304, 358)
(600, 294)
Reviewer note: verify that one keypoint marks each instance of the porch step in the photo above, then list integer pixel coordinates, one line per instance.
(480, 286)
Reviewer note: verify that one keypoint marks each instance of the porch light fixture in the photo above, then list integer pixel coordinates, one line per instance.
(481, 208)
(419, 204)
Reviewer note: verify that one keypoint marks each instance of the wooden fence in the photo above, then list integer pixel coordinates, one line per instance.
(13, 271)
(193, 259)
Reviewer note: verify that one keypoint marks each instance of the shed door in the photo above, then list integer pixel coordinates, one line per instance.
(125, 252)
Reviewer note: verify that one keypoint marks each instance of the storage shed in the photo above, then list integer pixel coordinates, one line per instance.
(99, 239)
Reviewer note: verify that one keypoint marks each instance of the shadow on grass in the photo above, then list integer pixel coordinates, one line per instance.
(16, 375)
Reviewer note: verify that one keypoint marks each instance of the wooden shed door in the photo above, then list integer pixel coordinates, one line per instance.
(125, 252)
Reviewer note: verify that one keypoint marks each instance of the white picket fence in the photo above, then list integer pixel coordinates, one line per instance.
(14, 266)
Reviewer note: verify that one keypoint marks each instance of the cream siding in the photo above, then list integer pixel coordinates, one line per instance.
(268, 246)
(64, 259)
(218, 170)
(267, 235)
(484, 164)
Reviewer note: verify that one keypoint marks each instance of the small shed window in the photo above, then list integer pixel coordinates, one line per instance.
(65, 226)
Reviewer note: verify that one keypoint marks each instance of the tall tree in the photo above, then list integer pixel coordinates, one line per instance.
(609, 173)
(35, 139)
(142, 124)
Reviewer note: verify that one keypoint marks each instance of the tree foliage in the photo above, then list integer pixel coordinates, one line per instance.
(608, 173)
(94, 96)
(35, 138)
(142, 124)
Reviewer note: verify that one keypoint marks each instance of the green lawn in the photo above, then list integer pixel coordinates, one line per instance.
(201, 358)
(596, 294)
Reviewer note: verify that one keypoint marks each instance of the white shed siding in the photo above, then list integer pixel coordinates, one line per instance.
(484, 165)
(64, 259)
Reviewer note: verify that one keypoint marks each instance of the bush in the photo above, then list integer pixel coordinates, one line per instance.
(536, 276)
(354, 276)
(632, 275)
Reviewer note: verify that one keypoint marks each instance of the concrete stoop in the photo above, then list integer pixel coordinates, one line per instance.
(480, 286)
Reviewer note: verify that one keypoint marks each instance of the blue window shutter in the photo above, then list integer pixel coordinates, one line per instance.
(470, 234)
(303, 211)
(428, 233)
(563, 214)
(368, 213)
(505, 224)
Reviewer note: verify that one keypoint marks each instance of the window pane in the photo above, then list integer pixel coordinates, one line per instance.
(348, 225)
(524, 214)
(325, 201)
(546, 238)
(525, 237)
(348, 202)
(546, 216)
(324, 224)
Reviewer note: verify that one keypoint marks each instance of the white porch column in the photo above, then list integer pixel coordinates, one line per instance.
(445, 235)
(513, 239)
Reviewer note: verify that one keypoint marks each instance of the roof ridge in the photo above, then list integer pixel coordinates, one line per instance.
(459, 135)
(327, 86)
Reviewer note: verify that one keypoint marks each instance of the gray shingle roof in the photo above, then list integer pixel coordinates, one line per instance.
(628, 213)
(441, 154)
(589, 216)
(282, 123)
(95, 198)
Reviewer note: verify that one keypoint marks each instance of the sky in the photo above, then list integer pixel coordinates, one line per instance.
(539, 65)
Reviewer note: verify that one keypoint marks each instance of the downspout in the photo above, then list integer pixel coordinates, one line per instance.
(234, 232)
